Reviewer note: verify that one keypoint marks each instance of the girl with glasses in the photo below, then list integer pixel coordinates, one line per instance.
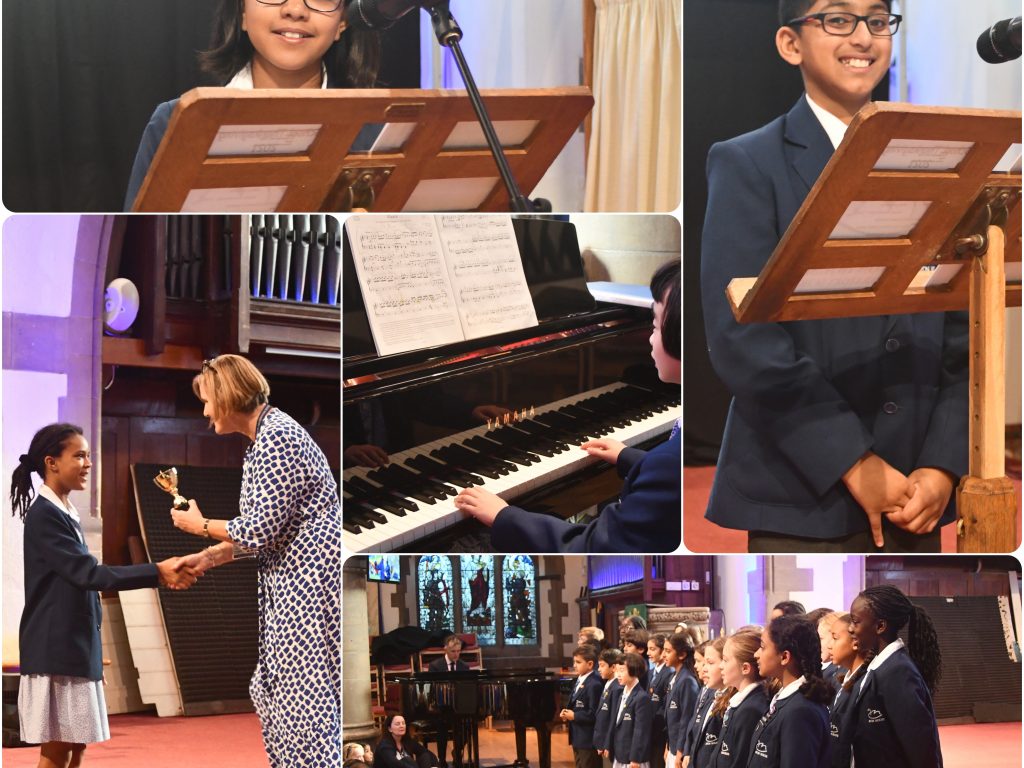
(273, 44)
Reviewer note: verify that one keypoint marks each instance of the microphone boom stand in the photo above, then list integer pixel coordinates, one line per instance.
(448, 35)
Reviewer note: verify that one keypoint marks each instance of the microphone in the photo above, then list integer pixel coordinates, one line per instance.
(382, 14)
(1001, 41)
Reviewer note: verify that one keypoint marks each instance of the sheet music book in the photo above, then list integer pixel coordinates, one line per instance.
(433, 280)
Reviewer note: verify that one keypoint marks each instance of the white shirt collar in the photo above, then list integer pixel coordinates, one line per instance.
(834, 127)
(658, 668)
(48, 493)
(789, 690)
(739, 696)
(243, 79)
(884, 656)
(581, 678)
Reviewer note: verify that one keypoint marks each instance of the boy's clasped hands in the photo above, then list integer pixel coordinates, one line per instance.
(914, 502)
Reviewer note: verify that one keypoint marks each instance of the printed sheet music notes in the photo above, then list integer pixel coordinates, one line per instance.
(433, 280)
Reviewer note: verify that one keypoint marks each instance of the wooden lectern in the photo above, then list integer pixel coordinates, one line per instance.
(292, 150)
(915, 213)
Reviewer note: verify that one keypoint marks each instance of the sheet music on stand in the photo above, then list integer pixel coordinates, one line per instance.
(432, 280)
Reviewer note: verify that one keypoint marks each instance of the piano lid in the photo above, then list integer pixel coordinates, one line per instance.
(568, 315)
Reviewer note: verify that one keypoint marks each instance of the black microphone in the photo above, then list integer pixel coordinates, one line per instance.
(381, 14)
(1001, 41)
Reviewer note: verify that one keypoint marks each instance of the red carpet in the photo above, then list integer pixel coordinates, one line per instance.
(702, 536)
(222, 741)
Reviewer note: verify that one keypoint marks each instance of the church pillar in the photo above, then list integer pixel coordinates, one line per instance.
(357, 718)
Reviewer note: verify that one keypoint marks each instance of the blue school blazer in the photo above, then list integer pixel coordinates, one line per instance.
(795, 735)
(841, 727)
(695, 728)
(657, 689)
(679, 708)
(629, 739)
(60, 625)
(584, 705)
(893, 718)
(646, 518)
(706, 744)
(734, 738)
(602, 720)
(811, 397)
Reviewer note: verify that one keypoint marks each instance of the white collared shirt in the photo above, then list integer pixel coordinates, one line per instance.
(581, 679)
(243, 78)
(739, 696)
(50, 495)
(787, 691)
(625, 697)
(880, 659)
(834, 127)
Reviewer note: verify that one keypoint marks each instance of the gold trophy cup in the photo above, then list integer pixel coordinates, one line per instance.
(167, 480)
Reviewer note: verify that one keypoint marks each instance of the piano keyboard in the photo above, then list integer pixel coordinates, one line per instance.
(387, 508)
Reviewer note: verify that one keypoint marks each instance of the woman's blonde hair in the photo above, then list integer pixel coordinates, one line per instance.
(232, 384)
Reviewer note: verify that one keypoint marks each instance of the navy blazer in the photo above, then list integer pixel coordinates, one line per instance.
(646, 518)
(893, 718)
(602, 720)
(60, 625)
(679, 707)
(841, 727)
(695, 728)
(795, 735)
(584, 705)
(705, 745)
(738, 726)
(629, 739)
(811, 397)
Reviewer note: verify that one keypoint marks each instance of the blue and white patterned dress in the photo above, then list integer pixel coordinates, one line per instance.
(290, 516)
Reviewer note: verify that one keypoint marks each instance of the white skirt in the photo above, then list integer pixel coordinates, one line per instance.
(62, 708)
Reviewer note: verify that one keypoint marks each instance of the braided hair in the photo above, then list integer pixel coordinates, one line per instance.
(890, 605)
(800, 637)
(48, 441)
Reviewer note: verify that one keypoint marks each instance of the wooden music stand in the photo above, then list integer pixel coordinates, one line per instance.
(290, 150)
(910, 216)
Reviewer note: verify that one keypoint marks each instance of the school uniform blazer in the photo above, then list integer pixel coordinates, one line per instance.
(584, 705)
(695, 728)
(811, 397)
(657, 689)
(734, 738)
(841, 727)
(629, 739)
(705, 745)
(893, 718)
(794, 736)
(60, 625)
(679, 707)
(602, 720)
(441, 665)
(646, 518)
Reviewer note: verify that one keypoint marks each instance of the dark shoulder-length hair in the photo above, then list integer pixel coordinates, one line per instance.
(352, 62)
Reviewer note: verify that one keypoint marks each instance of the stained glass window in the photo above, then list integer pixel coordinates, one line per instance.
(478, 615)
(437, 593)
(519, 600)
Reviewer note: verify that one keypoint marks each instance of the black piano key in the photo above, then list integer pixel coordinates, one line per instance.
(438, 469)
(516, 455)
(460, 453)
(377, 497)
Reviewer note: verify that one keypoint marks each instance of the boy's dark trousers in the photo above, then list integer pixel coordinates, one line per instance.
(586, 758)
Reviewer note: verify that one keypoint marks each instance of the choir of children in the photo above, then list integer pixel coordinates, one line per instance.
(814, 690)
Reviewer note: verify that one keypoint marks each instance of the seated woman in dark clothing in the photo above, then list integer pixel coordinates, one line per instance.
(396, 750)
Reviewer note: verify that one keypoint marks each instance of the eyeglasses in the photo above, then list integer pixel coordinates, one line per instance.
(318, 6)
(845, 24)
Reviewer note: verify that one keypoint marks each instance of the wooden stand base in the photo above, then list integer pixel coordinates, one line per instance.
(986, 515)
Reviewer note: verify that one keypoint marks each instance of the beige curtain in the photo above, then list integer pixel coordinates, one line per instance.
(635, 153)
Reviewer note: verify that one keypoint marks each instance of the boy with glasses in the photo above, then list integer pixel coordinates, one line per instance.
(838, 429)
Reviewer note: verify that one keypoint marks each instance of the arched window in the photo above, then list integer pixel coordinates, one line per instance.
(478, 614)
(519, 597)
(437, 593)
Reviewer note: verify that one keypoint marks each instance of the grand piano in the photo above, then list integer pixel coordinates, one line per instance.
(505, 412)
(529, 698)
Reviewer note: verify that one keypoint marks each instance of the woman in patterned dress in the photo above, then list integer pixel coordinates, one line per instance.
(290, 521)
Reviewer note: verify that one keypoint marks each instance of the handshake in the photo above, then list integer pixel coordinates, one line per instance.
(179, 573)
